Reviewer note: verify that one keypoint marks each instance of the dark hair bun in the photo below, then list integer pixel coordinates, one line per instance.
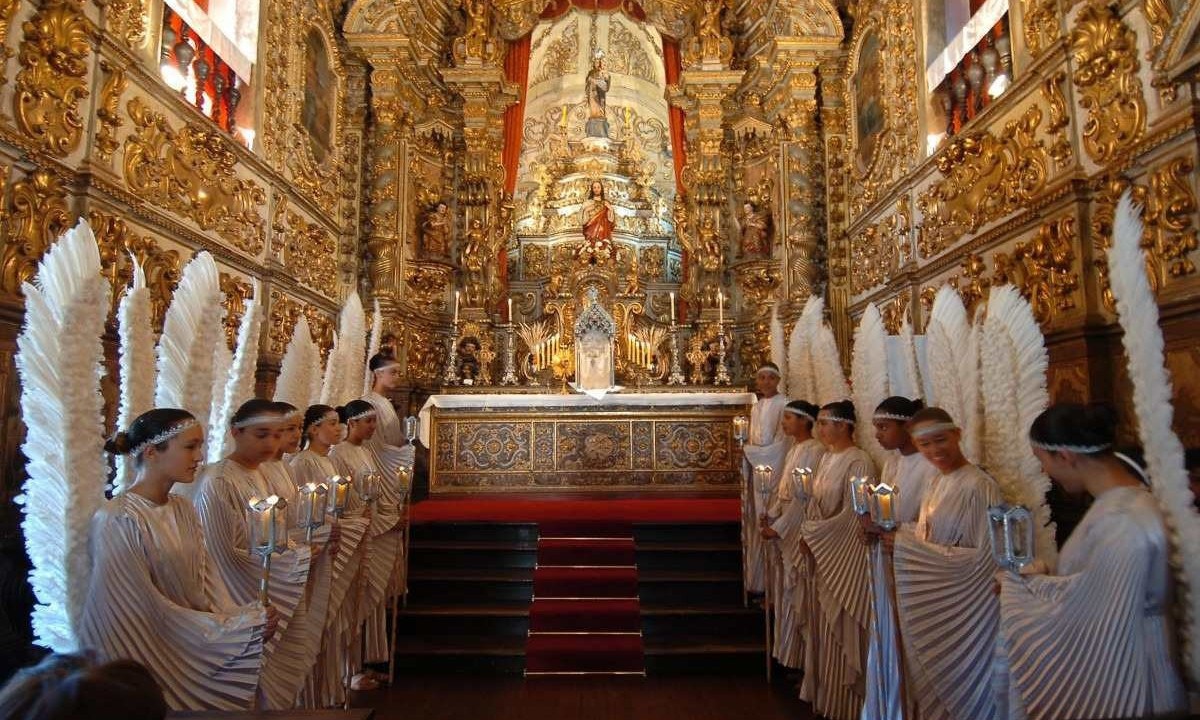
(1075, 424)
(118, 444)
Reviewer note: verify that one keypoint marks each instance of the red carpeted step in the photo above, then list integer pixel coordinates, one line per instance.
(584, 653)
(610, 615)
(585, 582)
(586, 551)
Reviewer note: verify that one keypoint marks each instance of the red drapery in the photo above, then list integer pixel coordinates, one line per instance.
(629, 7)
(516, 71)
(673, 62)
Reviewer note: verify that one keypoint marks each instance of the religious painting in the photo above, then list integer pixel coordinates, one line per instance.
(868, 100)
(320, 94)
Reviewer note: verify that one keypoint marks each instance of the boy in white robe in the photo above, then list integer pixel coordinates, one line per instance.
(766, 446)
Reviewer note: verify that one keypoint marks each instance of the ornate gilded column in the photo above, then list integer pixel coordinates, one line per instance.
(384, 180)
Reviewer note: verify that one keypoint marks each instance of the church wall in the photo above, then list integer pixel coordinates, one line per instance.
(88, 128)
(1024, 193)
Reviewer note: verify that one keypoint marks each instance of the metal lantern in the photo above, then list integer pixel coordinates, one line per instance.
(410, 428)
(266, 521)
(883, 505)
(740, 426)
(1011, 532)
(859, 495)
(762, 480)
(802, 483)
(339, 494)
(368, 485)
(313, 500)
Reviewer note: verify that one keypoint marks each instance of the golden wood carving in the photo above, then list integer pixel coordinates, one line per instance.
(895, 312)
(1060, 118)
(1105, 54)
(53, 76)
(874, 257)
(237, 292)
(283, 316)
(561, 54)
(312, 255)
(1044, 269)
(985, 178)
(1158, 16)
(1042, 29)
(117, 243)
(426, 356)
(38, 215)
(192, 172)
(126, 21)
(428, 282)
(8, 8)
(108, 110)
(757, 280)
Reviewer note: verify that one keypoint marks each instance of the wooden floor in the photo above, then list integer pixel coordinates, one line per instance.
(467, 697)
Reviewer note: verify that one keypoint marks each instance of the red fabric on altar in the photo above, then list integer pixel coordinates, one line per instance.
(629, 7)
(516, 71)
(673, 62)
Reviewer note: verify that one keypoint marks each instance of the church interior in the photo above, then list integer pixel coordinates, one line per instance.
(577, 232)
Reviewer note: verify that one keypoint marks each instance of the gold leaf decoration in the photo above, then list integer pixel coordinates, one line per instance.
(117, 242)
(1044, 269)
(39, 214)
(1106, 67)
(312, 255)
(108, 112)
(53, 76)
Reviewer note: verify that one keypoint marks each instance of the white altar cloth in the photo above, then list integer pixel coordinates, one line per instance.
(507, 401)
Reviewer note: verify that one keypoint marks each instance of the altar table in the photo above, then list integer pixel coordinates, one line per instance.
(626, 441)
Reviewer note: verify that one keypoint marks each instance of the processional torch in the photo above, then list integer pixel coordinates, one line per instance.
(266, 520)
(313, 498)
(1011, 531)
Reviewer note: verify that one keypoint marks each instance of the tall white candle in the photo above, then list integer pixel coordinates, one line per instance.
(672, 307)
(510, 319)
(720, 307)
(457, 293)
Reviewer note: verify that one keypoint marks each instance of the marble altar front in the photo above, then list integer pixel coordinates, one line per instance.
(628, 441)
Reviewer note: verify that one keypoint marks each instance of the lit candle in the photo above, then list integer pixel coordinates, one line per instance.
(510, 309)
(720, 307)
(456, 298)
(885, 507)
(672, 307)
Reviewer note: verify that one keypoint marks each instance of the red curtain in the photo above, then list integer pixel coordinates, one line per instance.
(629, 7)
(673, 61)
(516, 71)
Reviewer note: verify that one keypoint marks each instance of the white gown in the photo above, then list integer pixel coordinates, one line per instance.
(388, 443)
(327, 686)
(842, 576)
(225, 489)
(911, 475)
(944, 598)
(381, 561)
(1094, 641)
(766, 445)
(154, 598)
(785, 515)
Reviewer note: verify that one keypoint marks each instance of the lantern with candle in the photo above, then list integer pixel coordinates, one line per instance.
(859, 495)
(740, 424)
(313, 500)
(266, 520)
(1011, 531)
(802, 483)
(883, 506)
(368, 485)
(762, 480)
(410, 428)
(339, 494)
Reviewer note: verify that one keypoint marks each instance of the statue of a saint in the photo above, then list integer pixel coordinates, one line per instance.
(711, 252)
(596, 87)
(598, 220)
(435, 231)
(756, 231)
(473, 261)
(476, 37)
(468, 361)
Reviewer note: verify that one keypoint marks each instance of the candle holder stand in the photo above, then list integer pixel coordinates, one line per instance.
(676, 376)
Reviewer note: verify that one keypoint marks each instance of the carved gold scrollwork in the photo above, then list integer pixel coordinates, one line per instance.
(191, 172)
(237, 292)
(757, 280)
(108, 111)
(1044, 269)
(985, 178)
(895, 312)
(39, 214)
(1170, 216)
(1041, 19)
(126, 21)
(53, 76)
(312, 254)
(8, 8)
(283, 316)
(428, 282)
(875, 259)
(1105, 53)
(1060, 118)
(161, 267)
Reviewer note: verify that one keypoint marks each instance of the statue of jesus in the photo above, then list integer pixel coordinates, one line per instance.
(598, 220)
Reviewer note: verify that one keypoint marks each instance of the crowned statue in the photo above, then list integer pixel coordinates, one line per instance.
(594, 332)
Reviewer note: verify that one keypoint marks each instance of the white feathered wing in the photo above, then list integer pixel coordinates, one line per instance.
(779, 349)
(1143, 341)
(373, 346)
(343, 380)
(869, 379)
(60, 359)
(136, 369)
(952, 364)
(239, 382)
(828, 376)
(801, 385)
(191, 331)
(300, 370)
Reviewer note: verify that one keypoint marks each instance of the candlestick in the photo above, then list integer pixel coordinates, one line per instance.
(339, 493)
(739, 428)
(858, 495)
(267, 529)
(802, 483)
(450, 373)
(1011, 531)
(676, 377)
(722, 374)
(311, 513)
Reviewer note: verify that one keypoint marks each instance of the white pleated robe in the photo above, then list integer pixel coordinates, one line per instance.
(154, 598)
(327, 685)
(945, 603)
(766, 445)
(911, 475)
(221, 500)
(785, 515)
(841, 585)
(1095, 640)
(381, 563)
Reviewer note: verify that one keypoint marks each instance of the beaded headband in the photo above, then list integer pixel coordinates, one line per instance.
(836, 418)
(261, 419)
(164, 436)
(1078, 449)
(1141, 473)
(930, 428)
(361, 415)
(292, 415)
(800, 413)
(768, 369)
(892, 416)
(385, 366)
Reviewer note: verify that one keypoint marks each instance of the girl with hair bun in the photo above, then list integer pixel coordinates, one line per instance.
(155, 594)
(840, 601)
(943, 573)
(226, 488)
(781, 530)
(1095, 638)
(353, 457)
(320, 431)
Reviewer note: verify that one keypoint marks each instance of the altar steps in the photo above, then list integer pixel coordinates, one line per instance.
(472, 583)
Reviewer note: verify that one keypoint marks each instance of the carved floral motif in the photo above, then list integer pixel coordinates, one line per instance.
(117, 243)
(108, 110)
(237, 293)
(311, 255)
(1106, 67)
(53, 76)
(1044, 269)
(38, 215)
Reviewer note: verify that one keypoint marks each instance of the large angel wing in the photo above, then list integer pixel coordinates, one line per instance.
(190, 334)
(239, 381)
(903, 377)
(300, 369)
(1143, 341)
(801, 384)
(826, 360)
(779, 349)
(952, 364)
(215, 432)
(137, 372)
(1013, 363)
(869, 378)
(342, 380)
(373, 346)
(60, 358)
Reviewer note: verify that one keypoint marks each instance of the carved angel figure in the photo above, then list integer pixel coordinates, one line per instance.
(435, 231)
